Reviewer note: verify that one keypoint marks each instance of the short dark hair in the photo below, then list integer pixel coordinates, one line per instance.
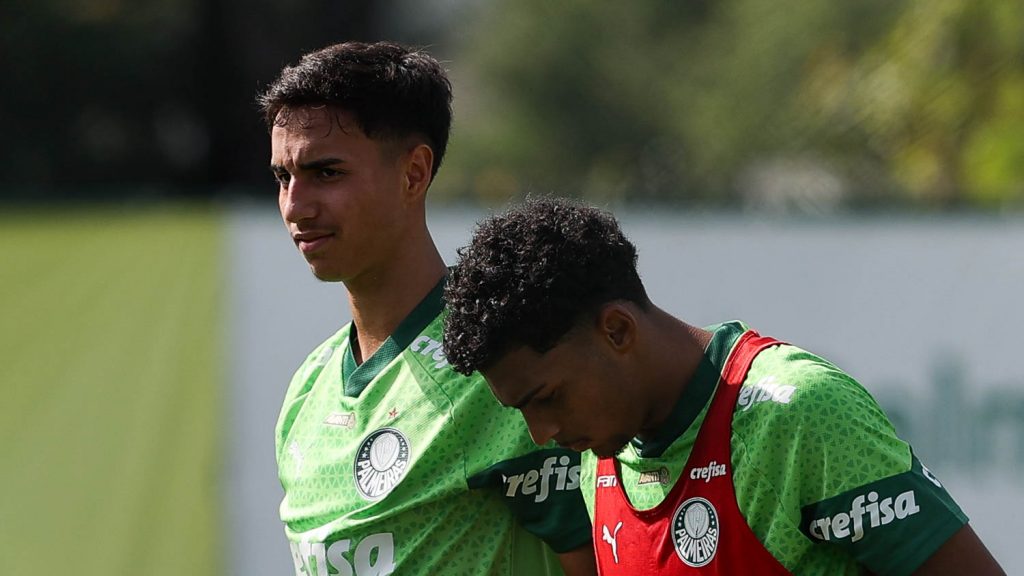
(530, 275)
(391, 90)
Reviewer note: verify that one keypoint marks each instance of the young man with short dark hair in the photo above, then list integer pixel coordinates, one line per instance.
(391, 462)
(706, 450)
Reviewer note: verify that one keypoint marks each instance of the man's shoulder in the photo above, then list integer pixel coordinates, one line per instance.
(314, 363)
(426, 352)
(798, 414)
(425, 357)
(795, 400)
(789, 380)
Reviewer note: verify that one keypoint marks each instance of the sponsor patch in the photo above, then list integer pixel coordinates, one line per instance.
(374, 555)
(706, 473)
(866, 512)
(555, 474)
(346, 420)
(765, 390)
(659, 476)
(430, 348)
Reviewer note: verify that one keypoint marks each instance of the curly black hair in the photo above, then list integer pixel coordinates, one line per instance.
(530, 275)
(391, 90)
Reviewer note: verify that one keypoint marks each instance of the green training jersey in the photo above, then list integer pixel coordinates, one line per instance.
(400, 465)
(819, 473)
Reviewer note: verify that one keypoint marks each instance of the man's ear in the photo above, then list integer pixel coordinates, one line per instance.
(618, 325)
(418, 164)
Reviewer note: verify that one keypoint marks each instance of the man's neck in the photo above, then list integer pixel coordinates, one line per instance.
(678, 350)
(380, 299)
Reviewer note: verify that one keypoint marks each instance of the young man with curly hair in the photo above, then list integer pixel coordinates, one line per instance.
(706, 450)
(391, 462)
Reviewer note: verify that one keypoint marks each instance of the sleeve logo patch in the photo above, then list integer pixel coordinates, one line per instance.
(695, 532)
(381, 463)
(871, 510)
(555, 474)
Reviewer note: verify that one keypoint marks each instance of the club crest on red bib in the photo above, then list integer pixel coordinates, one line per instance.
(381, 463)
(695, 532)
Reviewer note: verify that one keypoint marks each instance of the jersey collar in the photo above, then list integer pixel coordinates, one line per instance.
(697, 393)
(356, 377)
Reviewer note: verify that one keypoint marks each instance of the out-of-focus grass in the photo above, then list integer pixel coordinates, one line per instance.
(110, 391)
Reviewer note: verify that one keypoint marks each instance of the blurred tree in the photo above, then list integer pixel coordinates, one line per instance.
(742, 101)
(938, 101)
(811, 104)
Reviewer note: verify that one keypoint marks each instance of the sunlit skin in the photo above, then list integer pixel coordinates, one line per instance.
(355, 209)
(603, 383)
(560, 392)
(339, 194)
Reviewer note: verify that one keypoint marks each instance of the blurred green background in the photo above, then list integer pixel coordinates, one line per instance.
(111, 391)
(806, 105)
(130, 129)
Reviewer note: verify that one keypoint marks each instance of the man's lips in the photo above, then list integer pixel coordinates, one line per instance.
(309, 242)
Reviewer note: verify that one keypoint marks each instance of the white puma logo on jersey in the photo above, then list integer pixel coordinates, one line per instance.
(610, 537)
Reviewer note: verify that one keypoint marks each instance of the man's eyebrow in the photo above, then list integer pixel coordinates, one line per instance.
(311, 165)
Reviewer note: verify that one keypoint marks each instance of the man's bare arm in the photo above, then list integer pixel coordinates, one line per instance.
(579, 562)
(963, 553)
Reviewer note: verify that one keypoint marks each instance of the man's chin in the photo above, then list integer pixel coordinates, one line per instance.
(326, 279)
(325, 275)
(609, 450)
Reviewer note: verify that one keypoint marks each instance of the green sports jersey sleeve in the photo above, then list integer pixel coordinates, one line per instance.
(542, 490)
(376, 462)
(834, 461)
(540, 486)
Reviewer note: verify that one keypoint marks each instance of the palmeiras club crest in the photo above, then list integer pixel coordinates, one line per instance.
(381, 463)
(695, 532)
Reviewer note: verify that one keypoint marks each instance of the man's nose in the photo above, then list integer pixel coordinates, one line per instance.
(542, 429)
(297, 201)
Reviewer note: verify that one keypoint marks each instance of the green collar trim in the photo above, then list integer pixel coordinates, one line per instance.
(697, 393)
(356, 377)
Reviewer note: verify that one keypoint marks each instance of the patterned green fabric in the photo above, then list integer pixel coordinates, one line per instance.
(808, 441)
(395, 479)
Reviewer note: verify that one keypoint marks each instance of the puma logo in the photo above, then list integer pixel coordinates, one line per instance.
(610, 539)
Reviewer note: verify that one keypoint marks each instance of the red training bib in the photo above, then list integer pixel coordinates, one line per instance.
(698, 528)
